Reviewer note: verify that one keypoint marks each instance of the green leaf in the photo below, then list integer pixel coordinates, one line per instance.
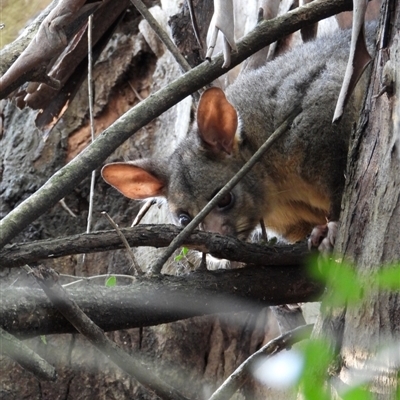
(111, 281)
(317, 359)
(389, 278)
(43, 339)
(182, 254)
(345, 286)
(357, 393)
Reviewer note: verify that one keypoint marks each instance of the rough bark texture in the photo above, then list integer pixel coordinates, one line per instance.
(156, 300)
(370, 230)
(222, 247)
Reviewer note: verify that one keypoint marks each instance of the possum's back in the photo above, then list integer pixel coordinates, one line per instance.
(306, 166)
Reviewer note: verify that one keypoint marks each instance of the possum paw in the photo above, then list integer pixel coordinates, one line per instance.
(323, 237)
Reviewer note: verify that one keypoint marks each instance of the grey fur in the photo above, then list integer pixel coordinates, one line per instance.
(301, 179)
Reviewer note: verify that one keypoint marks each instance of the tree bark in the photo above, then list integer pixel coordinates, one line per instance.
(370, 229)
(222, 247)
(157, 300)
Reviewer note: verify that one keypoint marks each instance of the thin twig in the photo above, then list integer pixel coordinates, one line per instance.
(178, 241)
(162, 35)
(47, 278)
(80, 279)
(194, 22)
(135, 266)
(135, 92)
(66, 208)
(263, 231)
(91, 117)
(143, 211)
(236, 380)
(91, 121)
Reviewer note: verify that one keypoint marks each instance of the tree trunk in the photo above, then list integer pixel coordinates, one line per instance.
(370, 229)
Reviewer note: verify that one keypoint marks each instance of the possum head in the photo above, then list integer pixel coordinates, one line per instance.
(201, 165)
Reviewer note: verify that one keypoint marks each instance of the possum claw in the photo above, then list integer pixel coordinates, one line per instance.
(323, 237)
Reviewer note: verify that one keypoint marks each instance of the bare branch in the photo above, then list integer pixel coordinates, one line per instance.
(27, 358)
(49, 41)
(359, 58)
(48, 281)
(159, 299)
(161, 34)
(217, 245)
(236, 380)
(222, 21)
(11, 52)
(135, 266)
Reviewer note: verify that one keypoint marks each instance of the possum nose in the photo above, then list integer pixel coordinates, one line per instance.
(216, 225)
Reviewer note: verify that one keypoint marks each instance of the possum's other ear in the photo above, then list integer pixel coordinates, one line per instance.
(134, 181)
(217, 120)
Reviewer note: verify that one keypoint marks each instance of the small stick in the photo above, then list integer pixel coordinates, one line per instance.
(203, 264)
(126, 244)
(143, 211)
(135, 92)
(80, 279)
(91, 121)
(178, 241)
(66, 208)
(162, 35)
(194, 22)
(263, 231)
(236, 380)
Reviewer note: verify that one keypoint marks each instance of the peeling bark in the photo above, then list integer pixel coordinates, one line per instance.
(370, 231)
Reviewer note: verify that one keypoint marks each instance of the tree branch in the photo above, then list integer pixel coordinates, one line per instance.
(12, 51)
(226, 247)
(163, 36)
(63, 181)
(48, 281)
(237, 379)
(26, 357)
(159, 299)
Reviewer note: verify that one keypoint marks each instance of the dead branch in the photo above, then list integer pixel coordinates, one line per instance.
(27, 358)
(236, 380)
(11, 52)
(163, 36)
(159, 299)
(47, 279)
(219, 246)
(50, 40)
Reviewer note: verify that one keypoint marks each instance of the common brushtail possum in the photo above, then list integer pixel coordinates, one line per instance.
(297, 185)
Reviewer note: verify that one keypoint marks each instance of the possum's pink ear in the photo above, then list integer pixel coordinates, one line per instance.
(217, 120)
(132, 181)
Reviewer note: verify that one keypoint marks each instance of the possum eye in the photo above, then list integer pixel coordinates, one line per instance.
(184, 219)
(226, 202)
